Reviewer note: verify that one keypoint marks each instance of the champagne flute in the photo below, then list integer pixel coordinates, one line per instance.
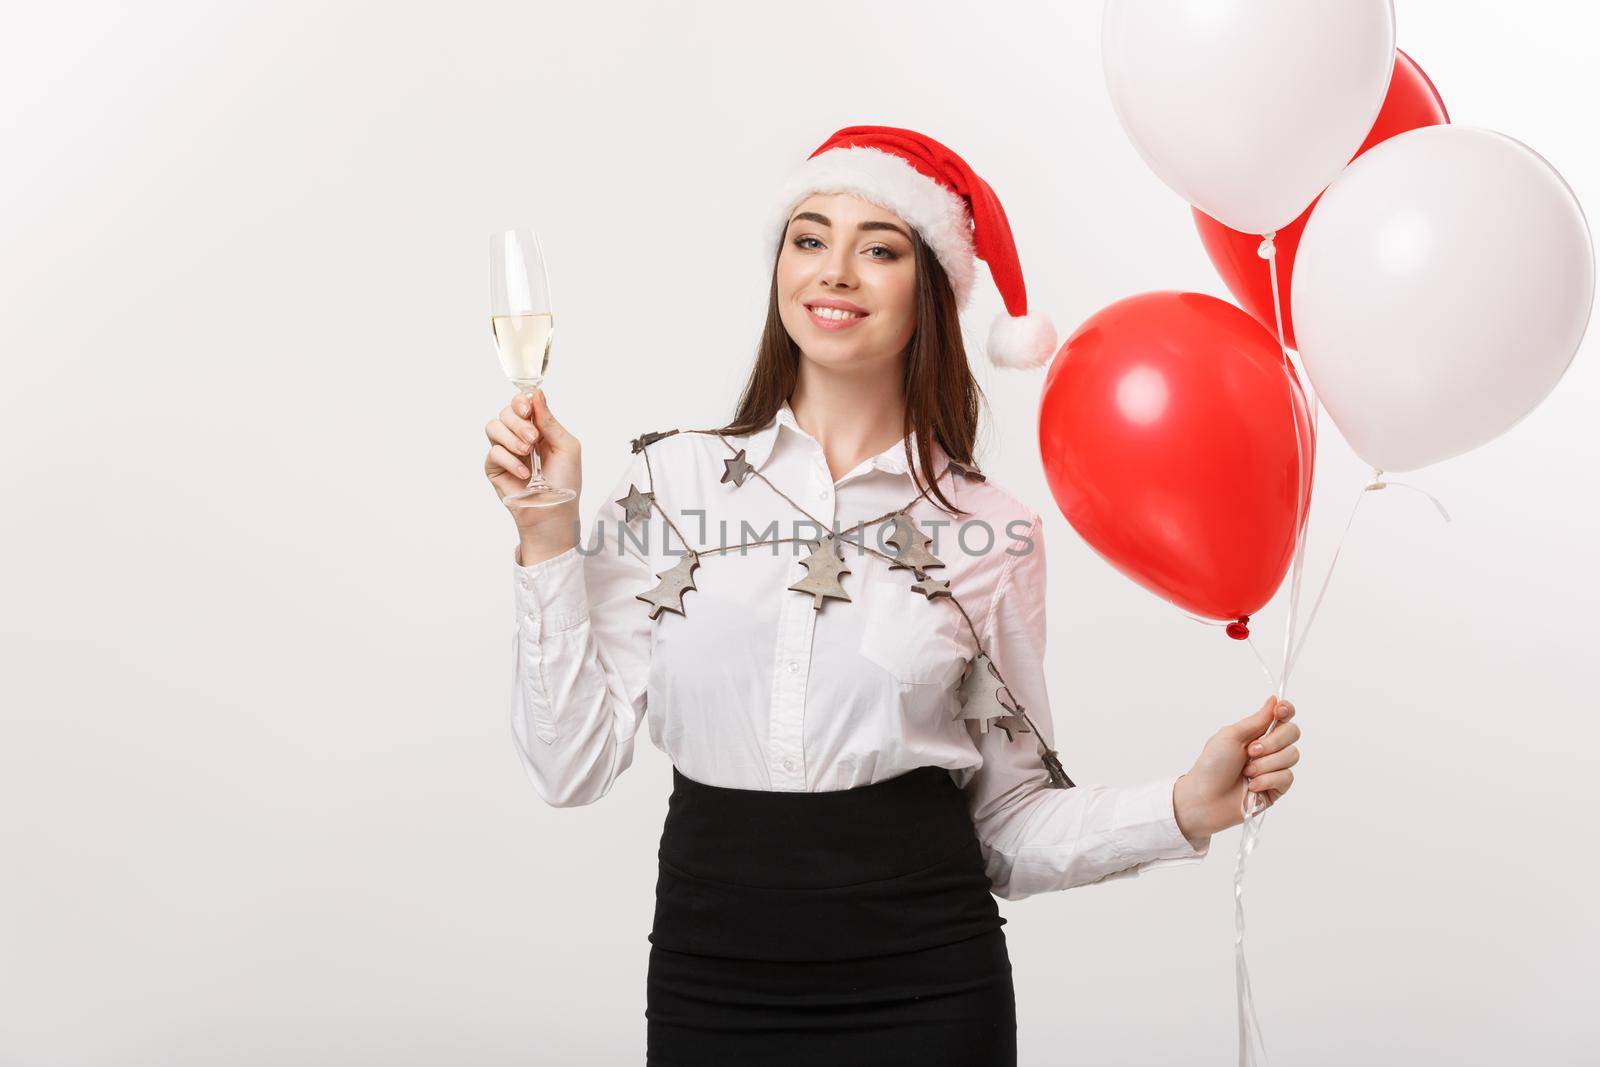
(519, 317)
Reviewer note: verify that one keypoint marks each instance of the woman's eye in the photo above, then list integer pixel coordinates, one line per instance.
(888, 253)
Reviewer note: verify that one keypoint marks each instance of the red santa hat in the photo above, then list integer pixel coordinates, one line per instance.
(952, 209)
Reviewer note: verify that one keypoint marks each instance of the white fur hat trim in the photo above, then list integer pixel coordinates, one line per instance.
(939, 216)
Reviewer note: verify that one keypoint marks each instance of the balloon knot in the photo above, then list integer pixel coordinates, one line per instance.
(1239, 630)
(1266, 249)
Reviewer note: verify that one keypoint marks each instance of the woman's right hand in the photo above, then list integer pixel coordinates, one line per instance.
(525, 424)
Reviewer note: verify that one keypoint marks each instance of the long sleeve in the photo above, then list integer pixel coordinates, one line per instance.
(1035, 838)
(582, 657)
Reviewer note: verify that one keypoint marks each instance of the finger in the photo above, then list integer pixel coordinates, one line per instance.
(546, 422)
(519, 425)
(499, 457)
(1275, 761)
(1282, 737)
(1285, 711)
(1253, 724)
(500, 434)
(1279, 780)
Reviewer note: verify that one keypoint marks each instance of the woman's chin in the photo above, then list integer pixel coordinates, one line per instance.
(841, 359)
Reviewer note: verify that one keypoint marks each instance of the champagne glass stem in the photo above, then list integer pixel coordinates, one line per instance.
(537, 477)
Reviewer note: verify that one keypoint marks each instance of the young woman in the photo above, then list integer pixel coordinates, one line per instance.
(835, 625)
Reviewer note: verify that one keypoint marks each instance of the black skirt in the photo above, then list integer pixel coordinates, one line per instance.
(852, 926)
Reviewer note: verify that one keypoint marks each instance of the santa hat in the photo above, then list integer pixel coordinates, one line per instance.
(952, 209)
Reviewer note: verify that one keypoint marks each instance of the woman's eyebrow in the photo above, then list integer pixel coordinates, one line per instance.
(812, 216)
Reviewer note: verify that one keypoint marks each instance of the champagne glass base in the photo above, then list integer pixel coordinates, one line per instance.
(542, 495)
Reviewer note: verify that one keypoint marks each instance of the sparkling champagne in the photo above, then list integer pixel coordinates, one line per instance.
(524, 345)
(519, 317)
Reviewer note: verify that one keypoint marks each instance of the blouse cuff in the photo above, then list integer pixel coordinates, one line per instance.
(1150, 823)
(550, 595)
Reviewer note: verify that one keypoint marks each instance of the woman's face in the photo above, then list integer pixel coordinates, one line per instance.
(841, 250)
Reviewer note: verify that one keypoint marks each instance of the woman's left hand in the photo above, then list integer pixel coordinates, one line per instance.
(1235, 761)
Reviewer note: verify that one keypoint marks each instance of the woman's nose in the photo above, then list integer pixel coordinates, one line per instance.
(839, 270)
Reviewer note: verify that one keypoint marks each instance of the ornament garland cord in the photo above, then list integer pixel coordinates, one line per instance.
(1057, 776)
(982, 700)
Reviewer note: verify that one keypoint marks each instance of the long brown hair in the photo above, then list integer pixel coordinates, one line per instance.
(943, 399)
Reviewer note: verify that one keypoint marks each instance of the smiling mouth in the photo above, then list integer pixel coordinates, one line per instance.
(834, 318)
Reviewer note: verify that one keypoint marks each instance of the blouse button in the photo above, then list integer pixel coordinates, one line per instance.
(788, 765)
(793, 667)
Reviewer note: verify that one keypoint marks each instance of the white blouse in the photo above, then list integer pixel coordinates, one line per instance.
(754, 688)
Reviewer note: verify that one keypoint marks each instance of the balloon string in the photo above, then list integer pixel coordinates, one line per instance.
(1374, 484)
(1316, 605)
(1311, 617)
(1407, 485)
(1251, 1042)
(1272, 679)
(1252, 1045)
(1305, 469)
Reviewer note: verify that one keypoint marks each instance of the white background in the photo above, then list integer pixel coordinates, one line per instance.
(258, 797)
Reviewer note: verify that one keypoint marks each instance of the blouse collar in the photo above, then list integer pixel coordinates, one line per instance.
(760, 444)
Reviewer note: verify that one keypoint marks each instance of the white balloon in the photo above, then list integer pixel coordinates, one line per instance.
(1441, 289)
(1248, 108)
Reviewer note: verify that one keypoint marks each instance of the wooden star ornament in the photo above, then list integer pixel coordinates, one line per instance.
(1008, 723)
(636, 505)
(737, 470)
(931, 587)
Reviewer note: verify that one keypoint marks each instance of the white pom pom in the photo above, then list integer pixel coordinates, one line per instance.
(1023, 342)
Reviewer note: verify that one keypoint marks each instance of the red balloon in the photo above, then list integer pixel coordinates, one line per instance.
(1165, 430)
(1412, 102)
